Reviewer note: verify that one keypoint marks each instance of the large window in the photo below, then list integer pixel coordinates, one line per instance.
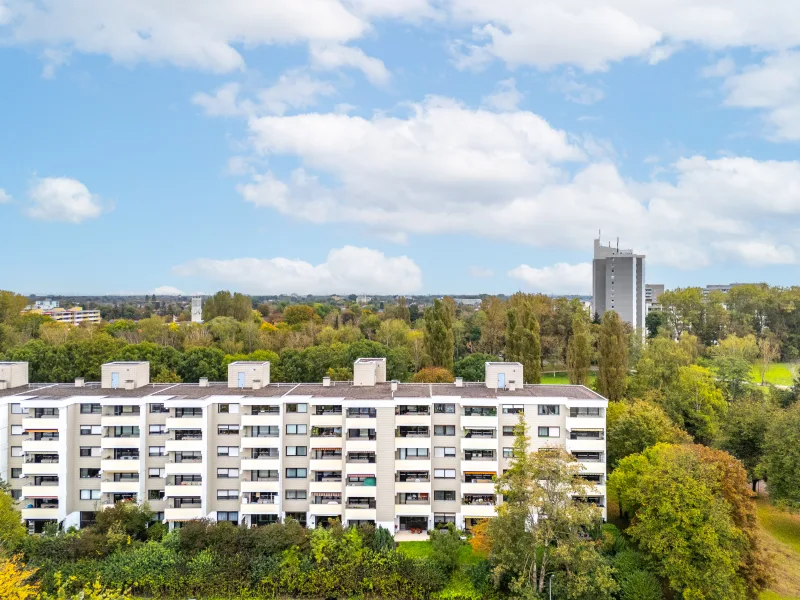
(444, 473)
(584, 412)
(297, 429)
(90, 451)
(91, 429)
(297, 408)
(444, 430)
(444, 495)
(448, 409)
(296, 473)
(227, 494)
(227, 429)
(231, 516)
(513, 409)
(158, 408)
(90, 494)
(90, 409)
(444, 451)
(549, 432)
(227, 450)
(548, 409)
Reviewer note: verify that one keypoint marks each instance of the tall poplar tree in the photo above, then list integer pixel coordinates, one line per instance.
(612, 376)
(439, 340)
(523, 342)
(579, 351)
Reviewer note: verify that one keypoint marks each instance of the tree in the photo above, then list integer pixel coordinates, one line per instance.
(473, 367)
(769, 350)
(392, 333)
(439, 341)
(11, 305)
(693, 515)
(523, 341)
(223, 304)
(579, 351)
(493, 329)
(658, 366)
(446, 545)
(683, 309)
(695, 403)
(743, 432)
(612, 374)
(12, 531)
(433, 375)
(540, 524)
(781, 460)
(732, 361)
(653, 322)
(202, 362)
(631, 427)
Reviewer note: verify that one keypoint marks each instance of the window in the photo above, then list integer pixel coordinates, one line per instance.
(584, 412)
(444, 473)
(16, 494)
(155, 494)
(16, 451)
(449, 409)
(513, 409)
(508, 429)
(548, 409)
(90, 409)
(296, 408)
(443, 518)
(444, 430)
(549, 432)
(227, 450)
(299, 429)
(188, 412)
(16, 409)
(89, 473)
(223, 408)
(90, 451)
(16, 473)
(90, 494)
(227, 494)
(444, 451)
(296, 450)
(227, 429)
(126, 431)
(91, 429)
(231, 516)
(157, 429)
(296, 473)
(508, 453)
(227, 473)
(154, 472)
(16, 430)
(412, 453)
(158, 408)
(157, 451)
(446, 495)
(296, 494)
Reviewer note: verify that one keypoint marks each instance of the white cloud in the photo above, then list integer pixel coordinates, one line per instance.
(505, 97)
(63, 199)
(202, 34)
(345, 270)
(773, 87)
(722, 68)
(591, 34)
(561, 278)
(574, 90)
(336, 56)
(480, 272)
(293, 90)
(4, 196)
(446, 168)
(168, 290)
(759, 253)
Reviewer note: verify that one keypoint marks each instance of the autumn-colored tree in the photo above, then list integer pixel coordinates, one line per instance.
(433, 375)
(612, 374)
(579, 351)
(439, 340)
(15, 580)
(523, 342)
(12, 531)
(493, 328)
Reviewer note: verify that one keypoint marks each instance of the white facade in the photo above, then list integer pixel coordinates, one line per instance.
(197, 309)
(404, 456)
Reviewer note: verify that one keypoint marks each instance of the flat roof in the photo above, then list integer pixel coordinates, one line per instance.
(339, 389)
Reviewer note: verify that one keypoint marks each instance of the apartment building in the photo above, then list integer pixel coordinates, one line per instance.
(618, 283)
(403, 456)
(69, 316)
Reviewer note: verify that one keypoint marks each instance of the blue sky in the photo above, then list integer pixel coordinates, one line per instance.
(395, 146)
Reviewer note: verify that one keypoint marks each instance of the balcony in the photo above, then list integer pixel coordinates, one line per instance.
(360, 503)
(412, 419)
(30, 445)
(193, 443)
(409, 510)
(479, 439)
(186, 423)
(325, 509)
(258, 508)
(361, 423)
(120, 442)
(184, 468)
(120, 465)
(127, 419)
(50, 513)
(263, 420)
(327, 464)
(325, 486)
(326, 420)
(360, 514)
(45, 490)
(411, 432)
(326, 437)
(478, 511)
(109, 486)
(184, 514)
(479, 421)
(183, 489)
(470, 466)
(40, 423)
(360, 491)
(260, 464)
(260, 486)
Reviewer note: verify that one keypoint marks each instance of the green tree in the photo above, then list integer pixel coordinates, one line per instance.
(743, 432)
(631, 427)
(653, 322)
(11, 305)
(692, 516)
(202, 362)
(392, 333)
(439, 340)
(12, 532)
(493, 329)
(579, 351)
(446, 545)
(612, 373)
(657, 368)
(539, 526)
(781, 461)
(473, 367)
(696, 403)
(732, 361)
(523, 341)
(433, 375)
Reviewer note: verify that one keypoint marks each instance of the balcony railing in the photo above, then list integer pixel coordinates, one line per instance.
(478, 501)
(39, 460)
(417, 478)
(477, 433)
(179, 437)
(352, 503)
(404, 433)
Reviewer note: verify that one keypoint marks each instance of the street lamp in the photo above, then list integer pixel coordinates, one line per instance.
(551, 585)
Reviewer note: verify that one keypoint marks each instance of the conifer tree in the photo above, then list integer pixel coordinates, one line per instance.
(612, 375)
(439, 339)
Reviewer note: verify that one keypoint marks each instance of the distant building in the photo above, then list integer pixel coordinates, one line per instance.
(197, 309)
(651, 293)
(474, 302)
(70, 316)
(618, 283)
(724, 287)
(363, 299)
(45, 304)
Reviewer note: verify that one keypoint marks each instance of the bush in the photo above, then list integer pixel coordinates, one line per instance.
(640, 585)
(433, 375)
(445, 547)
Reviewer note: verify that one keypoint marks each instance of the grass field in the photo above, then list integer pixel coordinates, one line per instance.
(561, 378)
(777, 374)
(460, 583)
(782, 539)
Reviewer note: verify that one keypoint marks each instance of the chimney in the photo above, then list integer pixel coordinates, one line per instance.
(326, 382)
(459, 382)
(394, 385)
(203, 382)
(80, 382)
(511, 386)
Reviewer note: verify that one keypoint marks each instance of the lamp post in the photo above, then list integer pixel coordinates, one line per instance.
(551, 586)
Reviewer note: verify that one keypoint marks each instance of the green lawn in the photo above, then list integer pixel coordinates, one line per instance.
(782, 539)
(777, 374)
(561, 378)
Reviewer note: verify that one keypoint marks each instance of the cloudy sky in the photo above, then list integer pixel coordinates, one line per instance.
(395, 146)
